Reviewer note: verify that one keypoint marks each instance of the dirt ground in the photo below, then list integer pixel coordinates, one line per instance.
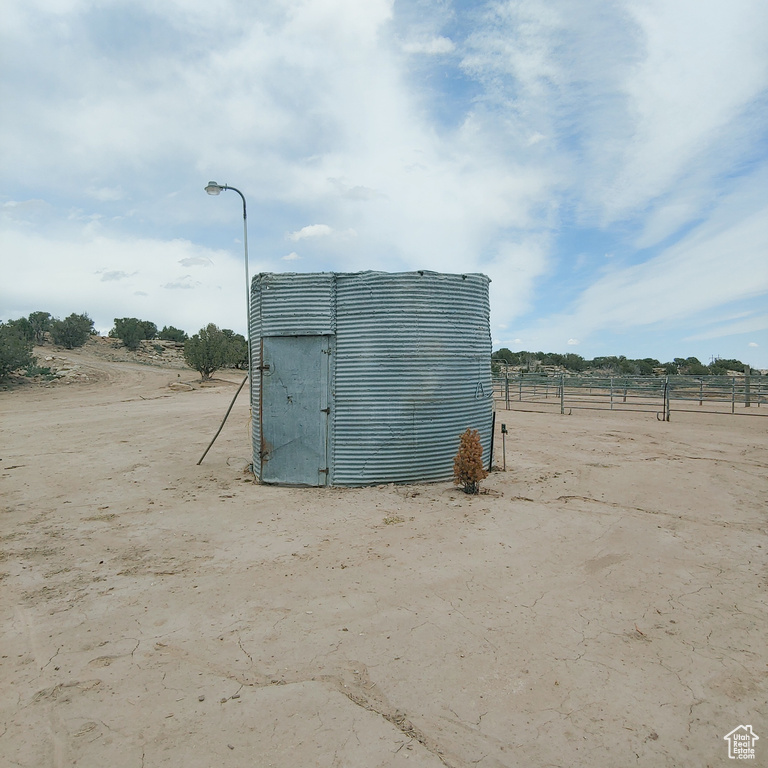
(602, 603)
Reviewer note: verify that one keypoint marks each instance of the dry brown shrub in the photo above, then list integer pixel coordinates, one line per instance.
(468, 468)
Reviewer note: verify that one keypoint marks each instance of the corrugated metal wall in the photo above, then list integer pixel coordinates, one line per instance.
(412, 372)
(296, 304)
(410, 366)
(255, 373)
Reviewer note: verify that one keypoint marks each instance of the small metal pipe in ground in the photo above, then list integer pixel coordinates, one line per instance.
(504, 446)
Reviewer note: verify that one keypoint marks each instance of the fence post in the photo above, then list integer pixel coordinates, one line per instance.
(747, 373)
(506, 386)
(733, 394)
(611, 392)
(562, 394)
(701, 391)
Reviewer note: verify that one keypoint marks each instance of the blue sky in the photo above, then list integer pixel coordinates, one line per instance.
(605, 163)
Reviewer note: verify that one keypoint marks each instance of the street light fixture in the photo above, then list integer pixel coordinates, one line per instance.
(215, 189)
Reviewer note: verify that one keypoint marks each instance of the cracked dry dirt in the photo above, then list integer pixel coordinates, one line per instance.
(603, 604)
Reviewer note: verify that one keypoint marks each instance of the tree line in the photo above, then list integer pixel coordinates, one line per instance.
(213, 348)
(647, 366)
(207, 351)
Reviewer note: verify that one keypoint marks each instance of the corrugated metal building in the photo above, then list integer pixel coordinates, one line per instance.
(369, 377)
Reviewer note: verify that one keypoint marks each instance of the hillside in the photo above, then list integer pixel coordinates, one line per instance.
(57, 366)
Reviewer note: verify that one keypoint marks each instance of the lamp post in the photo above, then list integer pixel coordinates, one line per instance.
(215, 189)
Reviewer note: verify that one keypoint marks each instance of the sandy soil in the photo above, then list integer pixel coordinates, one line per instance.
(603, 603)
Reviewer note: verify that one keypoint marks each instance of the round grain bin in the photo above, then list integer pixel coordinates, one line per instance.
(369, 377)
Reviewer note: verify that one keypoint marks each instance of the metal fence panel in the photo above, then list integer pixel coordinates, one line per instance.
(662, 394)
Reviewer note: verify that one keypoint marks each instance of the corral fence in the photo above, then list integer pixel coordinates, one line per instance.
(743, 395)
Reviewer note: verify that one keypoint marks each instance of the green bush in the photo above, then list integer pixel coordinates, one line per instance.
(169, 333)
(208, 350)
(720, 366)
(694, 367)
(15, 350)
(239, 349)
(41, 324)
(73, 331)
(132, 331)
(24, 328)
(37, 370)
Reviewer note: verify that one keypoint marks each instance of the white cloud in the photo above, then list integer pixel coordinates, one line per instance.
(319, 232)
(455, 137)
(115, 274)
(721, 263)
(513, 275)
(324, 109)
(685, 92)
(66, 289)
(312, 230)
(196, 261)
(292, 256)
(105, 194)
(749, 325)
(431, 46)
(185, 283)
(753, 344)
(357, 192)
(688, 277)
(573, 342)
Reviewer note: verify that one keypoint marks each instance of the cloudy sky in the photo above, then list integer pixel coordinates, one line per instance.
(605, 162)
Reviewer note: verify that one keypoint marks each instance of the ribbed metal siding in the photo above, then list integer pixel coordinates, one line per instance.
(254, 372)
(295, 304)
(412, 372)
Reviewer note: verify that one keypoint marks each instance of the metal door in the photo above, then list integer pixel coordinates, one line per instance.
(294, 410)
